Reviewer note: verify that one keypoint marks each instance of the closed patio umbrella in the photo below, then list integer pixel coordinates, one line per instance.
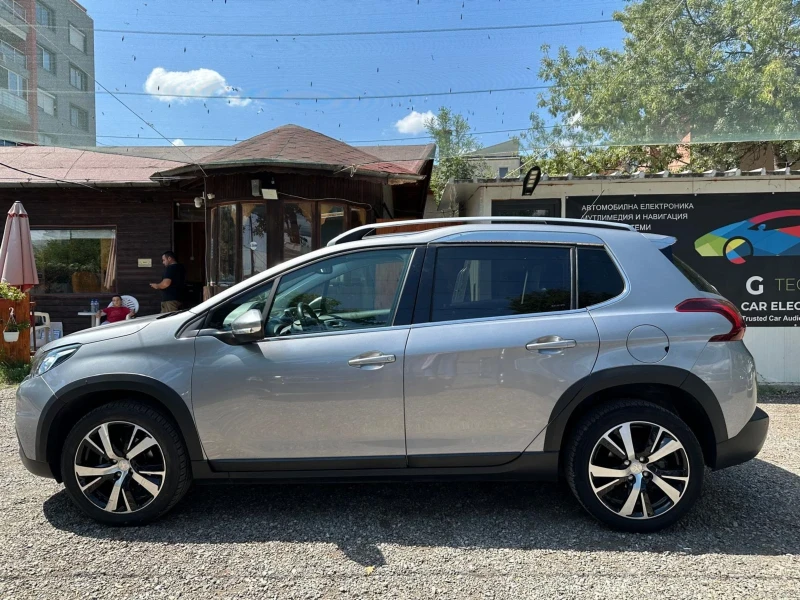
(17, 265)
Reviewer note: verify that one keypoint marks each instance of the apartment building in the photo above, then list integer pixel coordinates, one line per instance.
(46, 73)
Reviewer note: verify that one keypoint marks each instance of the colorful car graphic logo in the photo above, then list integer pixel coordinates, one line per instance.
(771, 234)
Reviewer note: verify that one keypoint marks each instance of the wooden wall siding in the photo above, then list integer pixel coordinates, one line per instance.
(237, 187)
(409, 199)
(143, 220)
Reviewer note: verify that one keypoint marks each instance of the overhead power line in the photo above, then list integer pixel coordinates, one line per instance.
(354, 33)
(211, 139)
(315, 98)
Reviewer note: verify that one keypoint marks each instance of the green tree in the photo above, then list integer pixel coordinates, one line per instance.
(723, 71)
(454, 141)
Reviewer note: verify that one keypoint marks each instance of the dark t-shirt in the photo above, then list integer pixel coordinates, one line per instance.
(176, 275)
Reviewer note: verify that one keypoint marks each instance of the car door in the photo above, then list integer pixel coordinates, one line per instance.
(496, 340)
(324, 388)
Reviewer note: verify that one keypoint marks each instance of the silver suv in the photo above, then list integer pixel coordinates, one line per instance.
(483, 348)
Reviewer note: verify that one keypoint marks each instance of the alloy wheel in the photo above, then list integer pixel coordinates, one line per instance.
(639, 470)
(120, 467)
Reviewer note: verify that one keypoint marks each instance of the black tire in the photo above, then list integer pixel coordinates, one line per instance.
(585, 439)
(174, 484)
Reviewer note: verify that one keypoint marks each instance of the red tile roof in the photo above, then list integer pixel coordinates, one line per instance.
(56, 166)
(413, 157)
(295, 145)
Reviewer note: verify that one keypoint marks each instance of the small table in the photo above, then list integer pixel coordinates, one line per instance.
(95, 318)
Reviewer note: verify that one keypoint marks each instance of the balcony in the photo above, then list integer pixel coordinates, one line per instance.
(12, 58)
(14, 104)
(15, 8)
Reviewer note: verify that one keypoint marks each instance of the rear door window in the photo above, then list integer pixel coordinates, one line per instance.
(598, 277)
(473, 282)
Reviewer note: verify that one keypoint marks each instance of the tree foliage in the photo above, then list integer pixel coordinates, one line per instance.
(454, 141)
(724, 72)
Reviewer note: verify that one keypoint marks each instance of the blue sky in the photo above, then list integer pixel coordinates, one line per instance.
(326, 66)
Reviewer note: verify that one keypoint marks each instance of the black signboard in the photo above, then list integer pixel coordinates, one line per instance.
(746, 245)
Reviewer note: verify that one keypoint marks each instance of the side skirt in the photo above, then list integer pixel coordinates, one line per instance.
(537, 466)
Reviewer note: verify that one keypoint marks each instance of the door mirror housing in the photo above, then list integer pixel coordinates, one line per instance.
(248, 327)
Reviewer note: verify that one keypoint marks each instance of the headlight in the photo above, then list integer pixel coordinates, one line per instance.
(43, 362)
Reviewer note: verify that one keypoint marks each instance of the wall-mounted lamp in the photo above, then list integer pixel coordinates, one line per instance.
(527, 185)
(199, 201)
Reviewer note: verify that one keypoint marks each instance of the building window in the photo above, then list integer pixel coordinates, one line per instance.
(502, 172)
(77, 78)
(249, 236)
(46, 140)
(45, 15)
(16, 84)
(298, 229)
(9, 54)
(254, 238)
(46, 102)
(77, 38)
(224, 223)
(75, 261)
(46, 59)
(78, 118)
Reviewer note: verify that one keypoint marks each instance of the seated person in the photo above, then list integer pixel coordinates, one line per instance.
(116, 312)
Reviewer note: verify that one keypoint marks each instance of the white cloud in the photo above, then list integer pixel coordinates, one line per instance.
(414, 122)
(199, 82)
(178, 142)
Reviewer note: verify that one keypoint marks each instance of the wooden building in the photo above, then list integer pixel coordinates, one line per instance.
(291, 190)
(101, 218)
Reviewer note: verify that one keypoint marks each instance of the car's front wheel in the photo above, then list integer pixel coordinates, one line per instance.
(634, 465)
(125, 463)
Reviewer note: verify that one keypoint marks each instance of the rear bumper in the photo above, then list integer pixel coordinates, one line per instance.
(42, 469)
(745, 445)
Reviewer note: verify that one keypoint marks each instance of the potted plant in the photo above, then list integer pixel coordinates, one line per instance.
(12, 328)
(13, 300)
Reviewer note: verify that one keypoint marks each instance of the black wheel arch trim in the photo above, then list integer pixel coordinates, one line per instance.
(598, 381)
(169, 399)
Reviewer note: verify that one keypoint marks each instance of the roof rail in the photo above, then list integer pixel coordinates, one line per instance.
(363, 231)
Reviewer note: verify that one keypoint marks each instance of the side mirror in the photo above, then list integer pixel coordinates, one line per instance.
(762, 226)
(248, 327)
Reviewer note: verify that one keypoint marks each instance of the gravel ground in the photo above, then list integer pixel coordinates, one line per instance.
(464, 540)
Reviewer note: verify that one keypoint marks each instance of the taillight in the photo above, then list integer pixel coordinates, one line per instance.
(721, 307)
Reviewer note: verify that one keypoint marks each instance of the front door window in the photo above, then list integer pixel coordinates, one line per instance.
(344, 293)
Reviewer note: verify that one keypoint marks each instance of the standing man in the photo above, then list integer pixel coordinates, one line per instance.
(171, 284)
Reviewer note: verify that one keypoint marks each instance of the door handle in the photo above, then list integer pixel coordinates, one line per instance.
(550, 342)
(373, 358)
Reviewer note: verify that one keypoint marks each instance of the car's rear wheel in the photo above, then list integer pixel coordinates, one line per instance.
(125, 463)
(634, 465)
(738, 250)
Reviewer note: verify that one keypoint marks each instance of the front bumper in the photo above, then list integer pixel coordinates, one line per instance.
(745, 445)
(39, 468)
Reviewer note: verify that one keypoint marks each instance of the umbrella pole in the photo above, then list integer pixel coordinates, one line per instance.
(32, 321)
